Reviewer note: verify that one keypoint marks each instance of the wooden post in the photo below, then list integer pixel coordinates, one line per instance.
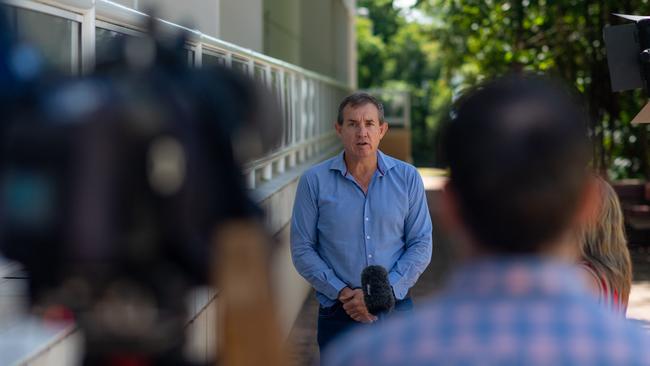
(247, 328)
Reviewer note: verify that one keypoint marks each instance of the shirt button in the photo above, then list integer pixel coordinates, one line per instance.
(367, 219)
(369, 255)
(368, 237)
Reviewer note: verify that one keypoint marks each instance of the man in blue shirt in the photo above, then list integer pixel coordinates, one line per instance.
(517, 152)
(357, 209)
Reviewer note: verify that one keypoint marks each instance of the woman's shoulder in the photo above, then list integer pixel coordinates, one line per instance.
(593, 280)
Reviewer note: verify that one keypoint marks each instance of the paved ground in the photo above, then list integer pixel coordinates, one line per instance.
(639, 306)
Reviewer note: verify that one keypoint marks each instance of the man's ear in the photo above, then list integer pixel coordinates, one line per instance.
(589, 203)
(337, 128)
(383, 128)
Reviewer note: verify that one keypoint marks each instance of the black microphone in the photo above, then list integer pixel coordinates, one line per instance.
(377, 292)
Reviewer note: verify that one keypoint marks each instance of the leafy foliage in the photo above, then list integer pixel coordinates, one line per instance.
(467, 41)
(399, 54)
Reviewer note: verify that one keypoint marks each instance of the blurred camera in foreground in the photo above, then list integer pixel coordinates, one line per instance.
(116, 186)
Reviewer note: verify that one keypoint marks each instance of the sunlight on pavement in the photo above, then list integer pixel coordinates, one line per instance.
(433, 179)
(639, 305)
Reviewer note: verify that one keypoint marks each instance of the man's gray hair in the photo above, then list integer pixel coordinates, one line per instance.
(358, 99)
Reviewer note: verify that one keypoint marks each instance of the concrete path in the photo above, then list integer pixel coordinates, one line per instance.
(639, 305)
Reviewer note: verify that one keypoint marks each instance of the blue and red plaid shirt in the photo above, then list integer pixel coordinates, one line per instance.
(516, 311)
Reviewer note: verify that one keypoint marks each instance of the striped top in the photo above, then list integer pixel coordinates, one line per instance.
(607, 295)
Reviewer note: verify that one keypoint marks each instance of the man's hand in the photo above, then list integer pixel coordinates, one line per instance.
(354, 305)
(346, 294)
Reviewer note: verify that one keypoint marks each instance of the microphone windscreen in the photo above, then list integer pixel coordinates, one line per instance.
(377, 292)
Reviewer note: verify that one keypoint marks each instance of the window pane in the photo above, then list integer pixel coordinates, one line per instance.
(107, 45)
(212, 60)
(58, 39)
(240, 65)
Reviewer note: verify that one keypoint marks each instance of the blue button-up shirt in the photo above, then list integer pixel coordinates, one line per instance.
(501, 311)
(337, 230)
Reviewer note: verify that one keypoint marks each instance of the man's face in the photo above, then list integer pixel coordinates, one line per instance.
(361, 131)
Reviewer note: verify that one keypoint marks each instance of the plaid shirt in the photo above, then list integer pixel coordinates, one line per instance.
(518, 311)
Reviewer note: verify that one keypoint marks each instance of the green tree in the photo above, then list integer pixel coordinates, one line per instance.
(386, 18)
(471, 40)
(398, 54)
(371, 55)
(483, 39)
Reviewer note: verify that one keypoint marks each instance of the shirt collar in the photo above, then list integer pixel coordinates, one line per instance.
(384, 164)
(338, 163)
(515, 276)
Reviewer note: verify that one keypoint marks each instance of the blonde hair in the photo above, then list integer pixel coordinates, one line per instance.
(604, 244)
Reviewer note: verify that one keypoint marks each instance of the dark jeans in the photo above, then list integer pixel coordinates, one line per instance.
(333, 321)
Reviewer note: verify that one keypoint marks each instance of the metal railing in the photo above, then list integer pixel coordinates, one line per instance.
(308, 100)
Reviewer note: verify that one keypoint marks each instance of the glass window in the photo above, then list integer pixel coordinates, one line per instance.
(58, 39)
(212, 60)
(107, 45)
(240, 64)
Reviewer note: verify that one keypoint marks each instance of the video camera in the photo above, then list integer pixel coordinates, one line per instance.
(628, 53)
(112, 185)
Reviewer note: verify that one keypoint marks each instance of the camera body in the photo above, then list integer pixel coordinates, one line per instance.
(111, 188)
(628, 53)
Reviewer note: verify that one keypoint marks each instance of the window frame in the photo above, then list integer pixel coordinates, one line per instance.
(77, 53)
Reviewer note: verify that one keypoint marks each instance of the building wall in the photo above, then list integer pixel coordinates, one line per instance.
(282, 29)
(328, 43)
(317, 23)
(317, 35)
(241, 23)
(342, 30)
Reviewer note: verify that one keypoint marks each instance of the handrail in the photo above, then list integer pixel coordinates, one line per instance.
(308, 100)
(273, 156)
(286, 159)
(108, 8)
(298, 119)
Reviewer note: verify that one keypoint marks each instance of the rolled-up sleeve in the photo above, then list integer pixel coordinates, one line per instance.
(418, 240)
(304, 243)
